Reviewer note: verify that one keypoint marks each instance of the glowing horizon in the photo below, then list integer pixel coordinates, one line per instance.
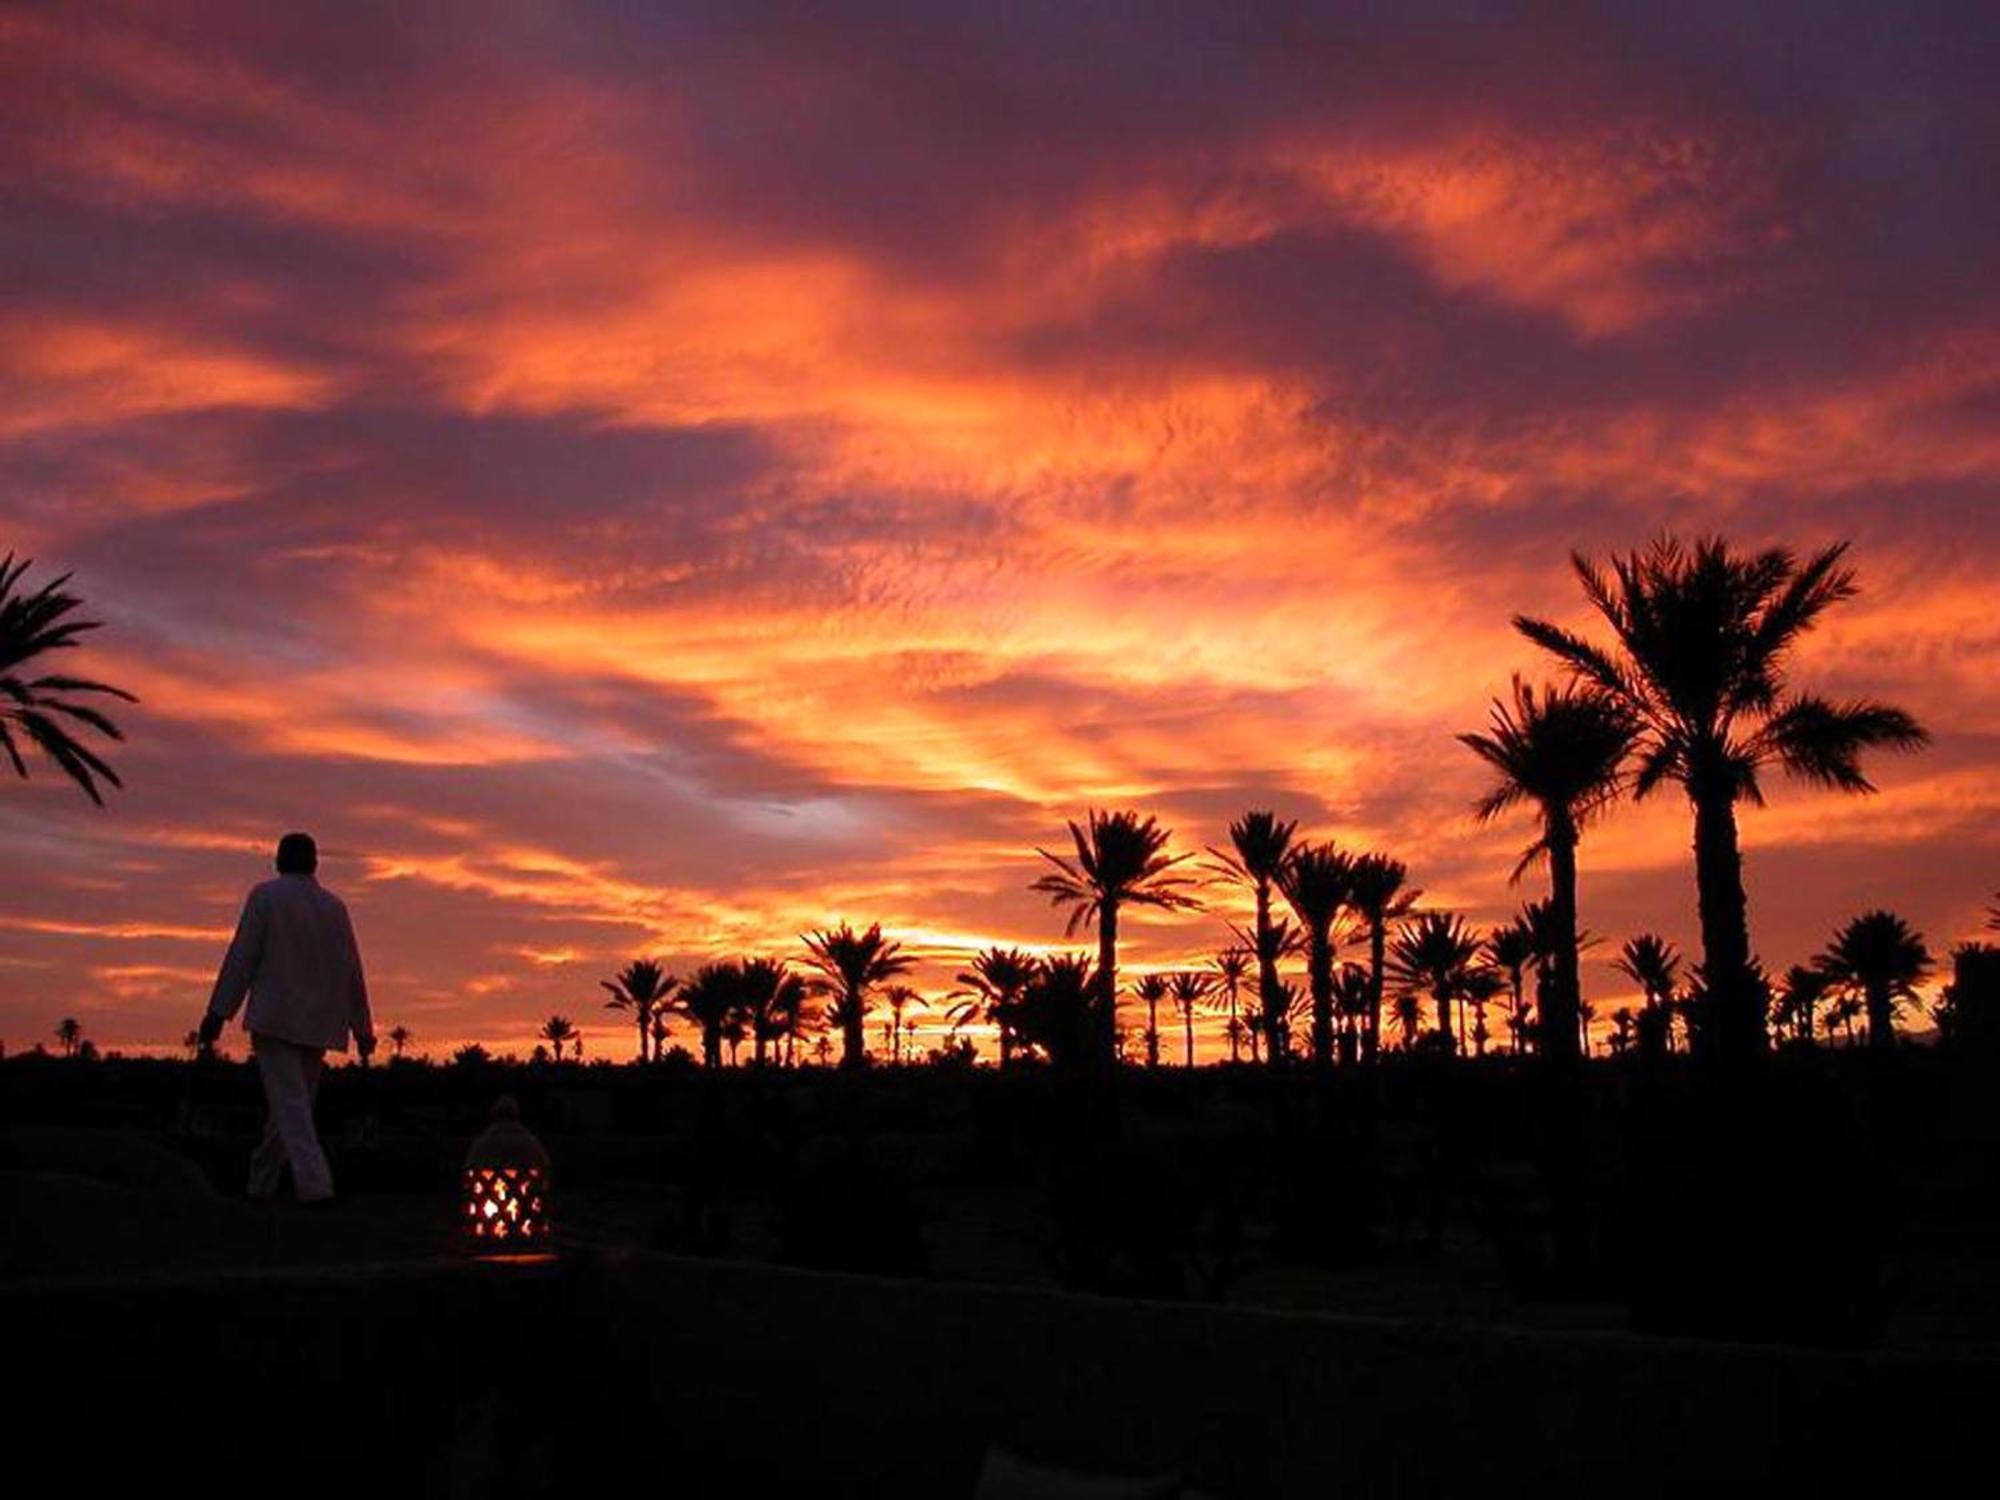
(651, 486)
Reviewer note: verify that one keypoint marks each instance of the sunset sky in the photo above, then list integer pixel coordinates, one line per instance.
(651, 480)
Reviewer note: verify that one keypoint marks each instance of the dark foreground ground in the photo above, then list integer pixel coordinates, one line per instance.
(1270, 1285)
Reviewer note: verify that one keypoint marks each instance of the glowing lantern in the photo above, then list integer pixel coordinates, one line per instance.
(507, 1184)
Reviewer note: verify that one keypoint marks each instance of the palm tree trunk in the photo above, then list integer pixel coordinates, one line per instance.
(1735, 1022)
(1562, 1006)
(1268, 999)
(1881, 1018)
(853, 1042)
(1378, 943)
(1320, 978)
(1107, 984)
(1187, 1033)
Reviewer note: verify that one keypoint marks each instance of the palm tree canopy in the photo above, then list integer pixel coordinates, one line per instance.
(640, 985)
(1877, 950)
(1652, 963)
(771, 995)
(1434, 954)
(1704, 641)
(855, 962)
(1152, 988)
(1375, 888)
(998, 975)
(41, 708)
(1511, 946)
(713, 996)
(1259, 842)
(1315, 880)
(1120, 860)
(1561, 750)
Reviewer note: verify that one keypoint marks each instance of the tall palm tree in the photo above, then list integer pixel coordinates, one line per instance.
(713, 1000)
(41, 708)
(1375, 892)
(1314, 879)
(1188, 988)
(1704, 640)
(557, 1031)
(1434, 956)
(852, 965)
(771, 1000)
(69, 1035)
(399, 1038)
(1881, 958)
(900, 997)
(641, 987)
(1230, 966)
(1258, 844)
(1510, 948)
(1561, 752)
(1151, 990)
(1799, 997)
(1353, 988)
(1483, 984)
(1120, 861)
(995, 982)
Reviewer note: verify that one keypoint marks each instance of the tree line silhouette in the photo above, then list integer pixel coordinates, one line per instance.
(1691, 689)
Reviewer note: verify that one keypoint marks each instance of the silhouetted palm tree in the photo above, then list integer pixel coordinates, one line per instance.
(1259, 842)
(641, 987)
(772, 1000)
(1314, 879)
(557, 1031)
(41, 708)
(69, 1035)
(900, 998)
(996, 979)
(853, 964)
(1188, 987)
(1483, 984)
(1798, 1000)
(1510, 948)
(1652, 963)
(1151, 990)
(1883, 959)
(713, 1000)
(1058, 1011)
(1375, 892)
(1353, 990)
(1230, 966)
(1121, 861)
(1433, 956)
(1559, 751)
(399, 1038)
(1705, 637)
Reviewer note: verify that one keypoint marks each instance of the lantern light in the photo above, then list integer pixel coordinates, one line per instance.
(507, 1184)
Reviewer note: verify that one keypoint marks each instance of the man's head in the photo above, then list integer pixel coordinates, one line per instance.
(297, 854)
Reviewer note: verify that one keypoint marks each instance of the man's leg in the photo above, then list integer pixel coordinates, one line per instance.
(291, 1079)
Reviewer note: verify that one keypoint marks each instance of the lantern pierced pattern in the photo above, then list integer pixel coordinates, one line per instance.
(507, 1183)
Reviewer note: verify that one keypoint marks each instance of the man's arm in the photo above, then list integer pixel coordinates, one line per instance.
(359, 1018)
(239, 967)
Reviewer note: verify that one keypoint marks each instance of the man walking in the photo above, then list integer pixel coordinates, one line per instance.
(295, 956)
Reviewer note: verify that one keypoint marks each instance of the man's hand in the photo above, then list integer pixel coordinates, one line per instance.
(365, 1045)
(210, 1028)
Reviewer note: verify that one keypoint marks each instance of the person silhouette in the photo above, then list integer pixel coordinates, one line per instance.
(295, 956)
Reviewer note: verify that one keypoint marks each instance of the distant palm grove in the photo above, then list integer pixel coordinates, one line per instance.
(1687, 687)
(1340, 962)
